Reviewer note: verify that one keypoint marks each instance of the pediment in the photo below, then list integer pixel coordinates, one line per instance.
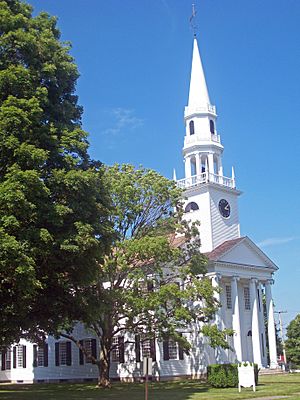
(242, 251)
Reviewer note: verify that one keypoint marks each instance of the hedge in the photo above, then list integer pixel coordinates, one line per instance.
(226, 375)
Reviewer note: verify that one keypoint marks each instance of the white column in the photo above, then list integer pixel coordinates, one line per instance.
(218, 318)
(220, 172)
(271, 325)
(256, 334)
(216, 285)
(236, 325)
(211, 163)
(187, 166)
(262, 324)
(220, 166)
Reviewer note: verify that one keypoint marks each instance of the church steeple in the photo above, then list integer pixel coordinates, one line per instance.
(210, 197)
(198, 94)
(202, 145)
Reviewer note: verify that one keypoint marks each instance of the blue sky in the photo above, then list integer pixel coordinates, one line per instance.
(134, 58)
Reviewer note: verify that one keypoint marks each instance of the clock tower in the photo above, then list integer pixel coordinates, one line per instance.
(210, 197)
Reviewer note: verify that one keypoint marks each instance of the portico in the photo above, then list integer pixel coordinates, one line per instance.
(242, 289)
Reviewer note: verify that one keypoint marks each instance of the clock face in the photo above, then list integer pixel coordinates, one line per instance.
(224, 208)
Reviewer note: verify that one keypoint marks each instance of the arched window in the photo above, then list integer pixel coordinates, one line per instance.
(192, 127)
(191, 207)
(211, 126)
(249, 333)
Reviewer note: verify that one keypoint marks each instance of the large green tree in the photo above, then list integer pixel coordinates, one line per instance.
(148, 284)
(53, 218)
(292, 344)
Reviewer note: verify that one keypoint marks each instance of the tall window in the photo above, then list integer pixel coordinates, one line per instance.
(228, 296)
(192, 127)
(6, 359)
(87, 344)
(90, 350)
(117, 354)
(172, 350)
(63, 353)
(40, 355)
(247, 298)
(20, 356)
(258, 299)
(193, 166)
(211, 126)
(145, 348)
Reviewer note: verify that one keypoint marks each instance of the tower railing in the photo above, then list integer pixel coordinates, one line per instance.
(205, 108)
(197, 138)
(205, 177)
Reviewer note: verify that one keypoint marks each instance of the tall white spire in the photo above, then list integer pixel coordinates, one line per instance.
(198, 95)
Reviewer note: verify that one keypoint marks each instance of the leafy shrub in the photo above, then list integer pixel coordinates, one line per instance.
(226, 375)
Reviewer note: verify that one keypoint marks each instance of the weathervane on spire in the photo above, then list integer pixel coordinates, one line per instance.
(193, 20)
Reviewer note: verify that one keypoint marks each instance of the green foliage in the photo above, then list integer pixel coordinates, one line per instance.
(292, 344)
(148, 284)
(226, 375)
(53, 217)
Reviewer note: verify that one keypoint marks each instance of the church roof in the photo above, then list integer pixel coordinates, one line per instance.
(238, 251)
(223, 248)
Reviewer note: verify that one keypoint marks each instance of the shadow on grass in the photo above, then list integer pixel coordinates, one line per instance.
(65, 391)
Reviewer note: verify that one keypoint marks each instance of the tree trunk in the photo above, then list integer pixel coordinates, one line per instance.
(103, 368)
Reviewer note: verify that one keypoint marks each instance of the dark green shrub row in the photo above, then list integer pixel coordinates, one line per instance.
(226, 375)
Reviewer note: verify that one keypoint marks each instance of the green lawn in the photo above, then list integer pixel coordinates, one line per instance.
(274, 385)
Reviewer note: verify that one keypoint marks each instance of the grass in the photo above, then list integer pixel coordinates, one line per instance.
(273, 385)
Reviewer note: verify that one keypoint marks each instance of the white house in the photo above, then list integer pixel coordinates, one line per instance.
(236, 264)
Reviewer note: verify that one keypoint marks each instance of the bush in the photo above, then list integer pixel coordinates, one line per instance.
(226, 375)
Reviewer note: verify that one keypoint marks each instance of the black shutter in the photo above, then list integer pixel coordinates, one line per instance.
(152, 349)
(3, 359)
(69, 353)
(35, 356)
(94, 348)
(121, 349)
(57, 354)
(137, 348)
(166, 350)
(81, 360)
(45, 354)
(24, 356)
(14, 357)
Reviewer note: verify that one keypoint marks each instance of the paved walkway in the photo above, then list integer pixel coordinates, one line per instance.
(270, 398)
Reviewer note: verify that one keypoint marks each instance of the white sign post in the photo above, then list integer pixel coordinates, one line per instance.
(246, 375)
(147, 370)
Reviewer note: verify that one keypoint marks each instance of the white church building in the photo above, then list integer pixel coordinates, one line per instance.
(236, 265)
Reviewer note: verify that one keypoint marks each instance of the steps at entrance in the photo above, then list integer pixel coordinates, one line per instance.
(273, 371)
